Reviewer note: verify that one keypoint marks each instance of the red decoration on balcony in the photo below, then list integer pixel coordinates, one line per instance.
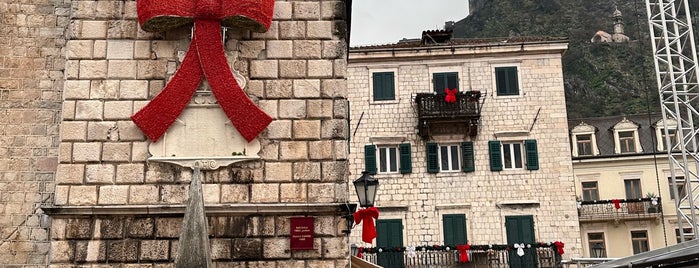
(359, 254)
(205, 58)
(559, 247)
(617, 203)
(451, 95)
(367, 216)
(463, 252)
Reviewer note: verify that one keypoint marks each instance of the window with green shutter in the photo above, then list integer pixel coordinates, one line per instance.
(370, 158)
(454, 227)
(406, 165)
(384, 86)
(469, 164)
(443, 81)
(432, 157)
(532, 154)
(495, 155)
(506, 81)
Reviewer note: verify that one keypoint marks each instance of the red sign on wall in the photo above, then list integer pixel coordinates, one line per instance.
(301, 233)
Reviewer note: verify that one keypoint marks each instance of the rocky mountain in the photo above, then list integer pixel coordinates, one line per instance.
(600, 78)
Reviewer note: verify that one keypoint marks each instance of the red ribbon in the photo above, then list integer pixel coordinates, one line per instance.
(559, 247)
(451, 95)
(367, 216)
(463, 252)
(359, 253)
(205, 58)
(616, 203)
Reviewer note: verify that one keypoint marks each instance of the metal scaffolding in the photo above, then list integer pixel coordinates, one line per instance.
(675, 58)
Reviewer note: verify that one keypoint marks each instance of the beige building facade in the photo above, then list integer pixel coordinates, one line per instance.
(488, 167)
(624, 159)
(82, 185)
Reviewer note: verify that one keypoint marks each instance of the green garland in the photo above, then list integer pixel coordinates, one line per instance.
(499, 247)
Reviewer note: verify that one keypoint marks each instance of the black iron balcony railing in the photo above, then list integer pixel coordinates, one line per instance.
(541, 256)
(619, 209)
(433, 108)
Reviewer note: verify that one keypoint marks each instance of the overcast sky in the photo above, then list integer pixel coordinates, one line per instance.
(387, 21)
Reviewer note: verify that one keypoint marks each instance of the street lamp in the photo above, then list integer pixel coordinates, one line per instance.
(366, 187)
(598, 251)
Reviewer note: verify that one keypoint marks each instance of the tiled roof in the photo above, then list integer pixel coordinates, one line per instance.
(605, 132)
(467, 41)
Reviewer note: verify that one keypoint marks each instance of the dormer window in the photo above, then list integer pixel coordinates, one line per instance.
(584, 140)
(626, 137)
(660, 134)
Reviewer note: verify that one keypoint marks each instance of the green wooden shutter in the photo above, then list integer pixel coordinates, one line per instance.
(495, 155)
(532, 154)
(384, 86)
(512, 83)
(432, 157)
(452, 80)
(454, 229)
(406, 164)
(440, 82)
(469, 164)
(370, 158)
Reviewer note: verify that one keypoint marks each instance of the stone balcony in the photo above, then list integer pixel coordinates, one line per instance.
(628, 209)
(436, 116)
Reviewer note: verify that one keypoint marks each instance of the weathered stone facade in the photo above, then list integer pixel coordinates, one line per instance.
(420, 199)
(85, 67)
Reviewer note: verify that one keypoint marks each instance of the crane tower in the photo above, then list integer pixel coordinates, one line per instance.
(675, 58)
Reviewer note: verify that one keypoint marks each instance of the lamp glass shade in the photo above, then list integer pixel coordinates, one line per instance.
(598, 251)
(366, 187)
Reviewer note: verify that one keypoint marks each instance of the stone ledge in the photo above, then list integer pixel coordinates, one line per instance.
(217, 209)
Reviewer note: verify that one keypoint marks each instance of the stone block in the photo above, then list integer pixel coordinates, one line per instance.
(341, 151)
(212, 193)
(276, 248)
(292, 109)
(320, 108)
(307, 49)
(264, 193)
(293, 192)
(271, 33)
(320, 150)
(120, 49)
(83, 195)
(334, 49)
(341, 109)
(151, 69)
(292, 68)
(73, 131)
(121, 69)
(143, 194)
(282, 10)
(319, 29)
(306, 129)
(340, 68)
(68, 110)
(308, 88)
(154, 250)
(130, 173)
(251, 48)
(93, 69)
(292, 29)
(140, 227)
(79, 49)
(279, 129)
(168, 227)
(70, 174)
(115, 110)
(104, 89)
(93, 29)
(62, 251)
(102, 131)
(122, 251)
(255, 88)
(234, 193)
(279, 89)
(220, 249)
(321, 192)
(264, 69)
(307, 171)
(99, 50)
(306, 10)
(139, 151)
(134, 89)
(79, 228)
(334, 129)
(116, 152)
(113, 194)
(278, 172)
(335, 247)
(246, 248)
(334, 88)
(76, 89)
(110, 228)
(320, 68)
(99, 174)
(88, 110)
(280, 49)
(128, 131)
(95, 251)
(61, 195)
(58, 228)
(334, 171)
(293, 150)
(332, 10)
(142, 49)
(173, 193)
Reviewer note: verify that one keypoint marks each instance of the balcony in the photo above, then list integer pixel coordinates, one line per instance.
(541, 256)
(436, 116)
(629, 209)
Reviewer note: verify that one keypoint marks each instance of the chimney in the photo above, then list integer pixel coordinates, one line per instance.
(449, 26)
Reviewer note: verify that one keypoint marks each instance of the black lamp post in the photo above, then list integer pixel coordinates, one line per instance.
(366, 187)
(598, 251)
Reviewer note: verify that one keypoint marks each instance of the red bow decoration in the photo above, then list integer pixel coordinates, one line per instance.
(616, 203)
(359, 254)
(367, 216)
(205, 58)
(463, 253)
(451, 95)
(559, 247)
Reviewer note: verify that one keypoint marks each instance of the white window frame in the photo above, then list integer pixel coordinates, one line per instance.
(584, 129)
(660, 133)
(511, 144)
(395, 86)
(626, 125)
(450, 158)
(388, 159)
(520, 92)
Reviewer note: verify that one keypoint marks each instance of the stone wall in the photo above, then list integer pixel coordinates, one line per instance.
(420, 199)
(31, 81)
(106, 190)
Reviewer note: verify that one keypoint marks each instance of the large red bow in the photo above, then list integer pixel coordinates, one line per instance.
(205, 58)
(451, 95)
(367, 216)
(559, 247)
(463, 252)
(617, 203)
